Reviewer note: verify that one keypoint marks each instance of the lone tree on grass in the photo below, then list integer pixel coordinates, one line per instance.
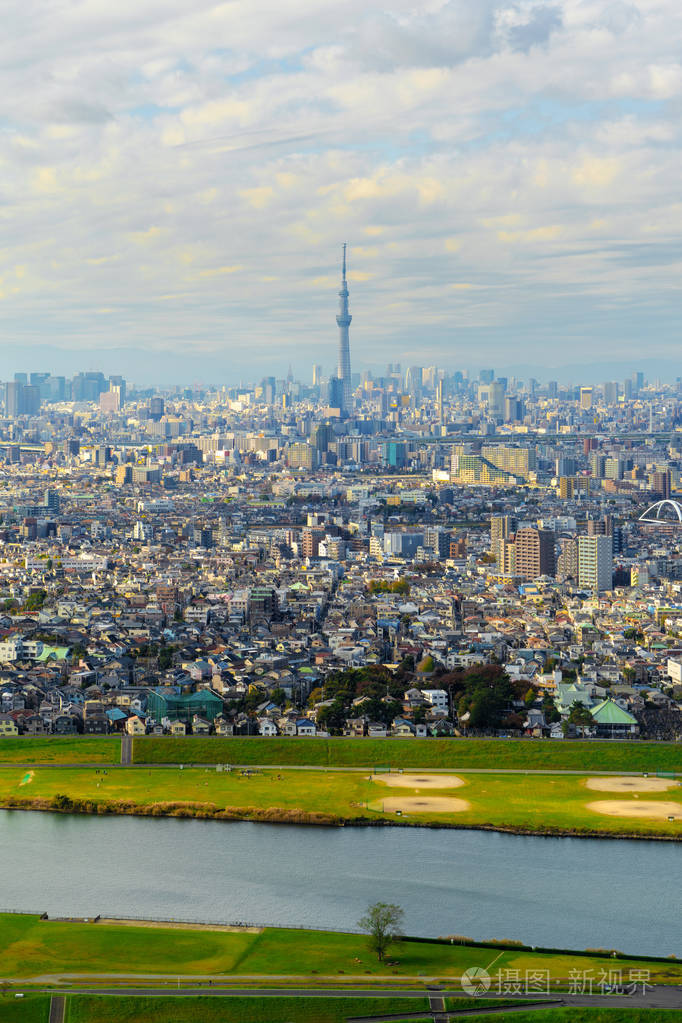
(382, 921)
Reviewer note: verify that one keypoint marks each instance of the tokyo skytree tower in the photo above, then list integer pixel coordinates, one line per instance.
(343, 320)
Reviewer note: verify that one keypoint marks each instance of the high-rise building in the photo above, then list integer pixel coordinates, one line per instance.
(14, 405)
(586, 398)
(302, 456)
(534, 552)
(343, 320)
(567, 562)
(595, 562)
(660, 482)
(571, 486)
(120, 382)
(492, 396)
(51, 500)
(505, 555)
(156, 409)
(335, 393)
(501, 528)
(519, 462)
(21, 399)
(437, 541)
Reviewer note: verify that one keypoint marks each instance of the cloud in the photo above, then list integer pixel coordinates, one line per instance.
(503, 170)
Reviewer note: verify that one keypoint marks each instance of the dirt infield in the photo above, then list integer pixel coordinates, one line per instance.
(630, 784)
(420, 781)
(642, 808)
(425, 804)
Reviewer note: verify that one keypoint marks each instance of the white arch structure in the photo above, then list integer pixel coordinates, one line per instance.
(653, 514)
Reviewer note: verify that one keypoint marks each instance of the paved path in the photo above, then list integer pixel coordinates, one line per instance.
(31, 765)
(126, 750)
(57, 1009)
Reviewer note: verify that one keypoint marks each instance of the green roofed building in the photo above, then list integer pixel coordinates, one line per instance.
(176, 707)
(54, 653)
(612, 721)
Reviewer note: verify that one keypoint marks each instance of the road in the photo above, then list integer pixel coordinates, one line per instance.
(217, 986)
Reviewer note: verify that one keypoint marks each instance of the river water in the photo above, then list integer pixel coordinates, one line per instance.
(562, 892)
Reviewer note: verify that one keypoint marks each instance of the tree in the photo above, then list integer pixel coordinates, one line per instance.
(165, 658)
(580, 716)
(383, 923)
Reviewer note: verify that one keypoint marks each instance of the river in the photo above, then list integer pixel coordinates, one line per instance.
(561, 892)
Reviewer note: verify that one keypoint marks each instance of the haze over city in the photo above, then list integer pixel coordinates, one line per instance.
(178, 183)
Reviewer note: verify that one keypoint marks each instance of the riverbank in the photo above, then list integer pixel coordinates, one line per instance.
(545, 805)
(47, 950)
(455, 754)
(338, 752)
(277, 815)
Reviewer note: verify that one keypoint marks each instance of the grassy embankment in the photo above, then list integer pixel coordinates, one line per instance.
(323, 1010)
(125, 1009)
(54, 749)
(122, 1009)
(29, 1009)
(457, 754)
(30, 947)
(533, 803)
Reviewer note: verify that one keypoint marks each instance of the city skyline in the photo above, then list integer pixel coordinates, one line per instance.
(176, 182)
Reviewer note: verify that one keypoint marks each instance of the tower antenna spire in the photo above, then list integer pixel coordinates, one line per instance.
(343, 322)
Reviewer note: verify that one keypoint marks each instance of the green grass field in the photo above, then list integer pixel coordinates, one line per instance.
(29, 1009)
(526, 754)
(69, 749)
(457, 754)
(534, 803)
(129, 1009)
(30, 947)
(121, 1009)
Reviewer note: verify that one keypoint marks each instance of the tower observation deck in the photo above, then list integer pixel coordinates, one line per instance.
(343, 320)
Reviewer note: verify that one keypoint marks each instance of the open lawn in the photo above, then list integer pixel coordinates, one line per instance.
(550, 803)
(121, 1009)
(30, 947)
(458, 754)
(55, 749)
(130, 1009)
(29, 1009)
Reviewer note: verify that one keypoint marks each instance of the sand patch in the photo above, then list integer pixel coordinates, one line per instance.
(642, 808)
(27, 779)
(630, 784)
(178, 925)
(420, 781)
(425, 804)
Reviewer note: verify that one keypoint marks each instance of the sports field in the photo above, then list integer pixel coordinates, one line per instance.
(532, 803)
(30, 947)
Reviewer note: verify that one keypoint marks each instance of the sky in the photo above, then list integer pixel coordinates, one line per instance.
(176, 181)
